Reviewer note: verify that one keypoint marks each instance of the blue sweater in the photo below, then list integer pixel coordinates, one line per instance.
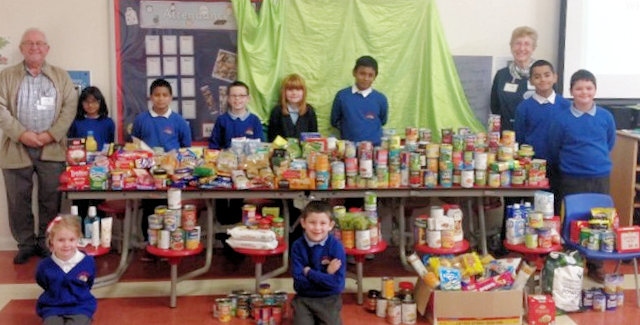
(359, 118)
(503, 102)
(103, 129)
(532, 123)
(227, 128)
(168, 133)
(66, 293)
(582, 144)
(317, 283)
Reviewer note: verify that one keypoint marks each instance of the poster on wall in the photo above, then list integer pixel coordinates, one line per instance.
(191, 44)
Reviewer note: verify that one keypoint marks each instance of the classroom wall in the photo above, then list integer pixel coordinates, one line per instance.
(80, 35)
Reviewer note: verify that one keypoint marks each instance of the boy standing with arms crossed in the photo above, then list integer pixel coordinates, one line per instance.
(581, 138)
(318, 268)
(359, 111)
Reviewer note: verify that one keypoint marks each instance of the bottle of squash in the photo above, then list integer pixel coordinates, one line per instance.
(90, 143)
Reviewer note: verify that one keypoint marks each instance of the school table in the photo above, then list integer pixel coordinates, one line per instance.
(133, 198)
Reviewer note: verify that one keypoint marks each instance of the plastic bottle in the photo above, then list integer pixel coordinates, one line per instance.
(92, 215)
(526, 210)
(74, 212)
(90, 143)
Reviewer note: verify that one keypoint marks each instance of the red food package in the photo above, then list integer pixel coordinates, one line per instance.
(540, 310)
(76, 153)
(77, 177)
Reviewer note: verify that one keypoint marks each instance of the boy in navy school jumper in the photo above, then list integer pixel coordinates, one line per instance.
(581, 138)
(534, 115)
(66, 276)
(318, 268)
(238, 121)
(359, 111)
(159, 126)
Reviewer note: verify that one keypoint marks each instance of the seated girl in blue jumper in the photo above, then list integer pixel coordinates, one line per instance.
(318, 268)
(66, 276)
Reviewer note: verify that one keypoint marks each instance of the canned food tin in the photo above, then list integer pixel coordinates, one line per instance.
(394, 311)
(248, 214)
(174, 198)
(607, 241)
(594, 240)
(585, 232)
(223, 310)
(381, 307)
(155, 221)
(170, 220)
(189, 217)
(177, 240)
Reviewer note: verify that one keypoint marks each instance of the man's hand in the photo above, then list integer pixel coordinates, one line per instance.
(45, 138)
(31, 139)
(334, 266)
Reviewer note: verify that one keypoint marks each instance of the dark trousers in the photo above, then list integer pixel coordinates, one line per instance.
(323, 310)
(67, 320)
(19, 186)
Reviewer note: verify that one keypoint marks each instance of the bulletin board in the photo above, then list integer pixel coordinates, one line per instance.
(191, 44)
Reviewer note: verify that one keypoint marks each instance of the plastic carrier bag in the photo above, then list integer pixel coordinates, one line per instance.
(562, 278)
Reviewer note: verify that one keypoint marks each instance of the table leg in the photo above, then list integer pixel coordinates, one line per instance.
(483, 229)
(359, 280)
(258, 275)
(126, 243)
(402, 227)
(174, 281)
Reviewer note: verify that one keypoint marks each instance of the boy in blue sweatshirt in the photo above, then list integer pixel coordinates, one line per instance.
(581, 138)
(318, 268)
(359, 111)
(238, 121)
(534, 115)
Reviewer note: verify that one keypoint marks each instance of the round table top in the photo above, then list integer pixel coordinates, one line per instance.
(521, 248)
(382, 245)
(458, 247)
(174, 253)
(261, 252)
(94, 251)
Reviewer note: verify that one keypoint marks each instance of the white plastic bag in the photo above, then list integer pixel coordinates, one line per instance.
(562, 278)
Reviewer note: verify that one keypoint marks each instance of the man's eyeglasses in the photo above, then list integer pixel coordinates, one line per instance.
(37, 44)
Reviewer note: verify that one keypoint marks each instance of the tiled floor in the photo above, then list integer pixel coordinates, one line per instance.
(142, 294)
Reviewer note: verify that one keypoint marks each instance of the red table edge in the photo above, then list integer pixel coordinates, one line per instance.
(380, 247)
(169, 253)
(261, 252)
(91, 250)
(458, 247)
(521, 248)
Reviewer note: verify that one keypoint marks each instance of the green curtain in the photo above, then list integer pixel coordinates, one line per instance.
(321, 40)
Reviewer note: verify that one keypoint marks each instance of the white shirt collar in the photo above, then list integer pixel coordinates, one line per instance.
(242, 116)
(154, 114)
(544, 100)
(314, 243)
(577, 113)
(364, 93)
(66, 266)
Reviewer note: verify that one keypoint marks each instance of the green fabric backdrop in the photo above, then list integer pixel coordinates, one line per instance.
(321, 39)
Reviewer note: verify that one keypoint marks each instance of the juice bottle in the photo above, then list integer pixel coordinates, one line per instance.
(90, 144)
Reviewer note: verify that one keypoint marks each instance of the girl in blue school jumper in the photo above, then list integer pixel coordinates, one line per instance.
(93, 115)
(66, 276)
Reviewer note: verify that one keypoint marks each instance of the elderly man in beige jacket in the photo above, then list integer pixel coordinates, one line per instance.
(37, 105)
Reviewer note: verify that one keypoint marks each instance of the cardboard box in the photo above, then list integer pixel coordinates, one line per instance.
(467, 307)
(541, 310)
(628, 239)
